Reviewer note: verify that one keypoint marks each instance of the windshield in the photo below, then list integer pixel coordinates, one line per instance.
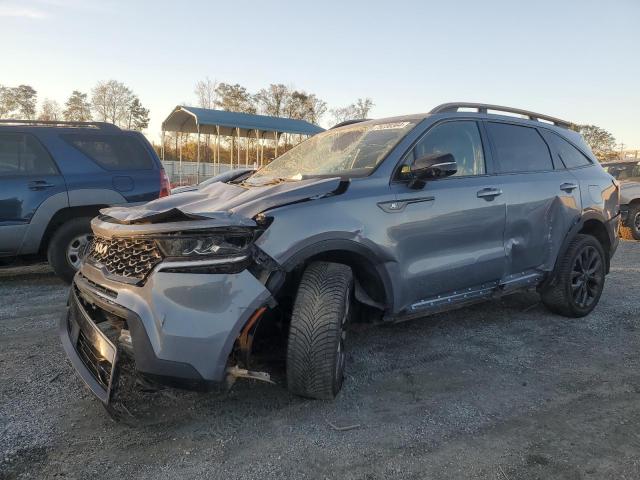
(624, 171)
(353, 150)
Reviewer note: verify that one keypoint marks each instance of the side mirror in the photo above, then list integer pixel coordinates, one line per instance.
(435, 165)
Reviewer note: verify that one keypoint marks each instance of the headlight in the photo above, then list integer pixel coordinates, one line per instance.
(205, 244)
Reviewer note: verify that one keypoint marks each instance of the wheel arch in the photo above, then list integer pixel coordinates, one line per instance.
(368, 268)
(592, 223)
(62, 216)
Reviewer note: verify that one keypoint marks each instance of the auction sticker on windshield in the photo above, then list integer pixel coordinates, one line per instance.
(390, 126)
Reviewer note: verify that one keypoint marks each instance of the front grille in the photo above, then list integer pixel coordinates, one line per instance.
(99, 367)
(131, 258)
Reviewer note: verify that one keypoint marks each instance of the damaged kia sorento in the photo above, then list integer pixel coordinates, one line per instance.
(403, 216)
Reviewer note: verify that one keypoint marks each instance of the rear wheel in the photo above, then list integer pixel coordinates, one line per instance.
(580, 279)
(316, 348)
(67, 247)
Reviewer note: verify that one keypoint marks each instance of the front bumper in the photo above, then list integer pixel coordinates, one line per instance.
(182, 326)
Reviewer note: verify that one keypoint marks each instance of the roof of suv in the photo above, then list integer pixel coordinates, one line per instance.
(59, 124)
(482, 109)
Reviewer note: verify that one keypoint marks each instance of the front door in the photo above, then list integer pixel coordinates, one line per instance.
(449, 234)
(28, 176)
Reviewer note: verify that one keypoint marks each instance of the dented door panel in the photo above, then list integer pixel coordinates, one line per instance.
(539, 213)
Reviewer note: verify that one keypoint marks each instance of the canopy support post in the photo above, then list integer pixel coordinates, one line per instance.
(238, 144)
(180, 157)
(198, 159)
(275, 138)
(262, 150)
(162, 147)
(218, 148)
(257, 148)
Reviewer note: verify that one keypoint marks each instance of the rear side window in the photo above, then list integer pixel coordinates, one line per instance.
(519, 149)
(112, 152)
(570, 155)
(22, 155)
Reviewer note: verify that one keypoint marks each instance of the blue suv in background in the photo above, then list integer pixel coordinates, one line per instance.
(56, 176)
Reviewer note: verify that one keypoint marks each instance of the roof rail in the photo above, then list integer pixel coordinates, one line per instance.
(484, 107)
(56, 123)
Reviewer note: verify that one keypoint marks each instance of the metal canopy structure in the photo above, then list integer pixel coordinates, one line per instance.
(203, 121)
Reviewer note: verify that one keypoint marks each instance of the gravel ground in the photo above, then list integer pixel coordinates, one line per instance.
(501, 390)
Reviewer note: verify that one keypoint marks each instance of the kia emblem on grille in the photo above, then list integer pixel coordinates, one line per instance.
(101, 248)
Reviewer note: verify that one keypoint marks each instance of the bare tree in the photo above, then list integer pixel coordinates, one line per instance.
(362, 107)
(342, 114)
(356, 111)
(50, 110)
(77, 108)
(206, 94)
(111, 102)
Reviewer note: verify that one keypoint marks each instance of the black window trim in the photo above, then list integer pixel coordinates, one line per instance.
(487, 155)
(44, 148)
(564, 165)
(497, 158)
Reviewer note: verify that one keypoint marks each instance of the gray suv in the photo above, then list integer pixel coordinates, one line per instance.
(402, 216)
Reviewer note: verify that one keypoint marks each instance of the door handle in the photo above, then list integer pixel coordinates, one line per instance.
(40, 185)
(568, 187)
(489, 193)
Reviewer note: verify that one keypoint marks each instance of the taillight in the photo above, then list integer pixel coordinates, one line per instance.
(165, 186)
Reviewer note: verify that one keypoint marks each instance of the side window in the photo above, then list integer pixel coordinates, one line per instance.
(569, 155)
(112, 152)
(519, 149)
(22, 155)
(460, 138)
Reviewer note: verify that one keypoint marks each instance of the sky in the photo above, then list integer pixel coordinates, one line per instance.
(577, 60)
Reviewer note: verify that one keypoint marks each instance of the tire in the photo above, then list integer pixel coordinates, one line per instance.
(633, 221)
(580, 279)
(321, 311)
(60, 248)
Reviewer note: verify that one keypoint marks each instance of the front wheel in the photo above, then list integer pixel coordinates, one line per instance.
(580, 279)
(321, 312)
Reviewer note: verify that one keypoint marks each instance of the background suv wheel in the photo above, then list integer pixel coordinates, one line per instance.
(321, 312)
(633, 222)
(580, 279)
(67, 245)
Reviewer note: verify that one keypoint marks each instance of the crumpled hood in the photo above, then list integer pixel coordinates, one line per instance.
(233, 205)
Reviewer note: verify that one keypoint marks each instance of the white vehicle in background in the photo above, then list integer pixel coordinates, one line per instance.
(628, 174)
(234, 175)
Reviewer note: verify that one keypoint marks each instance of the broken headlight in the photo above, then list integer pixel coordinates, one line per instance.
(202, 245)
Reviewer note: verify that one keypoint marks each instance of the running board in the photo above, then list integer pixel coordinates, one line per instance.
(467, 296)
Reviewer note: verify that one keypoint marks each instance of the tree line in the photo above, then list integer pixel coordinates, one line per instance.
(276, 100)
(110, 101)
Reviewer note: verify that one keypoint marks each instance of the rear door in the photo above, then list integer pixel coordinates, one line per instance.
(543, 198)
(28, 176)
(449, 235)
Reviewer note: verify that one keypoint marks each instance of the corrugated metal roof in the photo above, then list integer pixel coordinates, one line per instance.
(188, 119)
